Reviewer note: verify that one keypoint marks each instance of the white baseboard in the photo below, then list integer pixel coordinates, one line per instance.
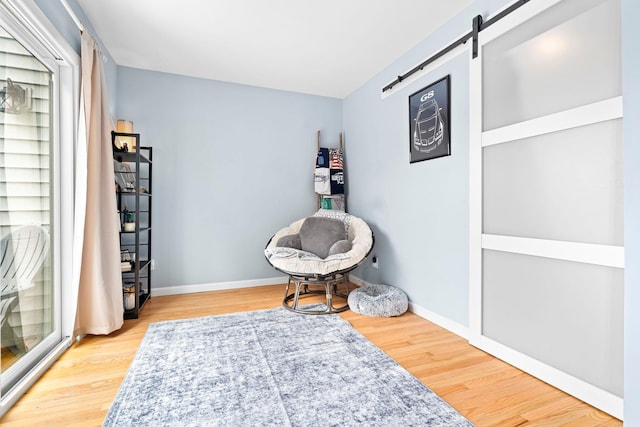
(221, 286)
(443, 322)
(206, 287)
(358, 281)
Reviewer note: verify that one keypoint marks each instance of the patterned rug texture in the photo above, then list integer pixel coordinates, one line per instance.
(270, 368)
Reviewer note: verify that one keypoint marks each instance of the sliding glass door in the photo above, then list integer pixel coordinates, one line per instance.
(30, 314)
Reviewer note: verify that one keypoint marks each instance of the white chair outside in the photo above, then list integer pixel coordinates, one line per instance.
(22, 254)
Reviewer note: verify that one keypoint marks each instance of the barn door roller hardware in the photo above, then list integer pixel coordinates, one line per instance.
(477, 25)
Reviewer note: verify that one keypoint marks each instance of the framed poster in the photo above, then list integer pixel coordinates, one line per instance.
(429, 122)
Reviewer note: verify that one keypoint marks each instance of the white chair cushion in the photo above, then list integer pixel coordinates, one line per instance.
(292, 261)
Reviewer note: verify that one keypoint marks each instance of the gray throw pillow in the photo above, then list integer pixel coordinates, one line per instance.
(318, 234)
(290, 241)
(340, 247)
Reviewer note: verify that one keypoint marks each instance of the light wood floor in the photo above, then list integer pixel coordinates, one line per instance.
(79, 388)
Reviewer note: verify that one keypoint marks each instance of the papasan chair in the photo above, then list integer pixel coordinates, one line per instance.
(317, 253)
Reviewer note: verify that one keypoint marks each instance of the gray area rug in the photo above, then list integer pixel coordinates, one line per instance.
(270, 368)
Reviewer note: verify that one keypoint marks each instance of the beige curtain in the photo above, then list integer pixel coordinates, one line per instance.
(100, 305)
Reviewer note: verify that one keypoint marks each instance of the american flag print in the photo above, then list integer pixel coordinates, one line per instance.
(337, 162)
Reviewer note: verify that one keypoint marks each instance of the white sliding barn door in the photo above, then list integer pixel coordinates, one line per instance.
(546, 196)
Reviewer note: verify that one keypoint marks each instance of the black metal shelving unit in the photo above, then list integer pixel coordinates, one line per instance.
(133, 172)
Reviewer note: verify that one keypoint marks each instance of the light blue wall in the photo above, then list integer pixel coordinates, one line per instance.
(59, 17)
(418, 211)
(232, 165)
(631, 91)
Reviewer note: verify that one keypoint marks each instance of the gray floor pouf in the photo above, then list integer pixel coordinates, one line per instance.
(378, 301)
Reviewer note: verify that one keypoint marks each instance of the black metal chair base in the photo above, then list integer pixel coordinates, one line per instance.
(331, 285)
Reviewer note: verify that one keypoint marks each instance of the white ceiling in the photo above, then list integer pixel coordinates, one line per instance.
(321, 47)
